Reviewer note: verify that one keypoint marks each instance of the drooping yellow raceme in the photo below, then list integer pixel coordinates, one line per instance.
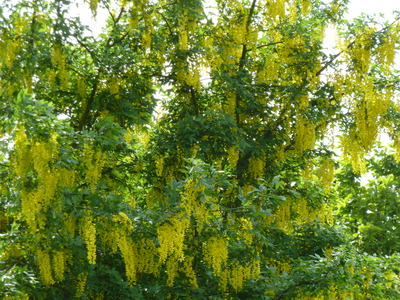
(215, 253)
(233, 156)
(257, 166)
(236, 274)
(88, 229)
(146, 253)
(94, 162)
(59, 264)
(44, 264)
(190, 195)
(23, 160)
(171, 236)
(129, 254)
(58, 60)
(81, 285)
(245, 227)
(305, 135)
(326, 173)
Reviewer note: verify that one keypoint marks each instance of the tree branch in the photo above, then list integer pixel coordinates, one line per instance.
(115, 21)
(86, 113)
(244, 49)
(166, 22)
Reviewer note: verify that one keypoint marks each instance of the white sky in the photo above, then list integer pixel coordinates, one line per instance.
(356, 7)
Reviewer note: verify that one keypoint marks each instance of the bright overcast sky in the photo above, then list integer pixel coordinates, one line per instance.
(356, 7)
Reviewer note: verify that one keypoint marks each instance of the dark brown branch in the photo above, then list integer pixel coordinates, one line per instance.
(244, 49)
(166, 22)
(327, 64)
(264, 46)
(115, 21)
(88, 50)
(109, 11)
(333, 58)
(86, 113)
(229, 209)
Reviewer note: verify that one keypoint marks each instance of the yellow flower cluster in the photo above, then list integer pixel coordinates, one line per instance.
(276, 9)
(360, 52)
(187, 269)
(188, 74)
(23, 160)
(387, 50)
(94, 163)
(368, 112)
(29, 207)
(146, 252)
(159, 166)
(270, 70)
(183, 31)
(114, 87)
(28, 84)
(302, 210)
(81, 88)
(36, 202)
(201, 215)
(237, 274)
(171, 236)
(153, 196)
(282, 217)
(354, 153)
(51, 76)
(88, 230)
(122, 219)
(14, 250)
(93, 6)
(326, 173)
(59, 264)
(246, 226)
(396, 146)
(172, 269)
(189, 196)
(256, 166)
(305, 213)
(137, 258)
(43, 261)
(58, 59)
(148, 30)
(230, 102)
(306, 6)
(69, 224)
(238, 31)
(280, 266)
(9, 49)
(391, 278)
(66, 178)
(305, 135)
(215, 253)
(81, 285)
(129, 254)
(233, 156)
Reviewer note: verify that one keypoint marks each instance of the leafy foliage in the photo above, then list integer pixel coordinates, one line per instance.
(186, 151)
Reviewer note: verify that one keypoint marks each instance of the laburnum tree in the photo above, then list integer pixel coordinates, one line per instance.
(189, 150)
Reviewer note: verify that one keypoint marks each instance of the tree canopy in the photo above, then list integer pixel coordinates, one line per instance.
(197, 149)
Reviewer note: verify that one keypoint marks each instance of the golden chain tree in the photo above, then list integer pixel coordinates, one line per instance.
(188, 150)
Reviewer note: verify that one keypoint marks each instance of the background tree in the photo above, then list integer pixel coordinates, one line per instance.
(186, 152)
(369, 212)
